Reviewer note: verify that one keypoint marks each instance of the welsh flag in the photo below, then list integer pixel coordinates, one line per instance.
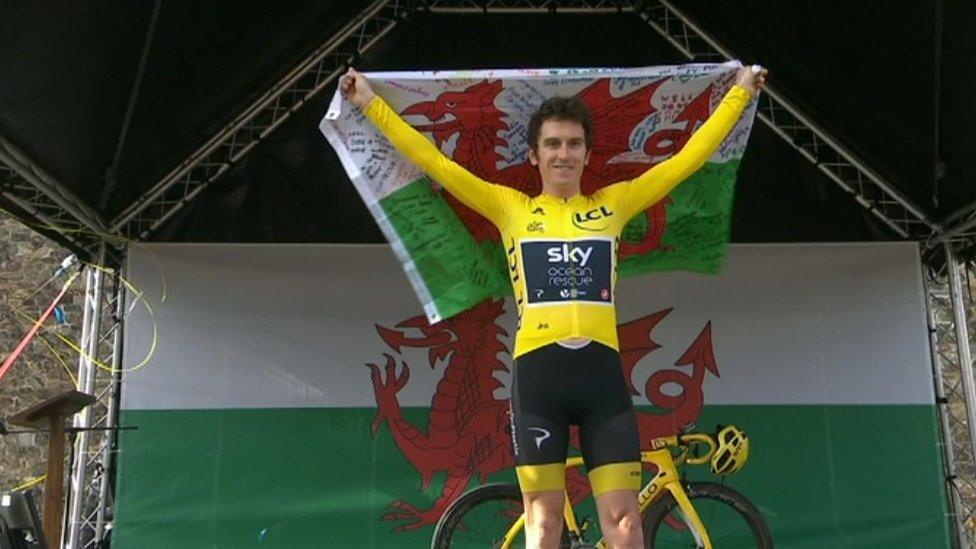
(452, 256)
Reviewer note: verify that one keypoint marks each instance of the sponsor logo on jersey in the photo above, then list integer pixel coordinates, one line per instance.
(571, 293)
(587, 221)
(539, 211)
(569, 254)
(543, 434)
(568, 270)
(535, 227)
(511, 425)
(513, 267)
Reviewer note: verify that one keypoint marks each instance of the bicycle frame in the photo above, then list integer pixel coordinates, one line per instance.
(665, 480)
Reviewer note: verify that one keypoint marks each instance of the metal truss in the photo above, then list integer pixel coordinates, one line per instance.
(261, 118)
(528, 6)
(839, 164)
(950, 307)
(89, 491)
(51, 204)
(960, 232)
(811, 141)
(853, 175)
(309, 77)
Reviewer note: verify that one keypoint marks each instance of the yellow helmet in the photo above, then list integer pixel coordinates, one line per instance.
(732, 451)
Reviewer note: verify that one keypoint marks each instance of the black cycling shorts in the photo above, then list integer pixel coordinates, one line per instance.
(554, 387)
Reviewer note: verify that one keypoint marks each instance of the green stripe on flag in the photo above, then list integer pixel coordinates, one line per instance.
(698, 225)
(824, 476)
(457, 272)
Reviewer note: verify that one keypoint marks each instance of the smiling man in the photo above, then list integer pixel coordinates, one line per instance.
(562, 251)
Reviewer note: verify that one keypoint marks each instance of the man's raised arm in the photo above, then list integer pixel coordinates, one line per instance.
(650, 187)
(470, 189)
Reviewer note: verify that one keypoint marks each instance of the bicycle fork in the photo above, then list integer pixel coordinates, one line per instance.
(690, 516)
(667, 478)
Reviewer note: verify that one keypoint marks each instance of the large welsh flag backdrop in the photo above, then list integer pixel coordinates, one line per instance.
(297, 398)
(452, 255)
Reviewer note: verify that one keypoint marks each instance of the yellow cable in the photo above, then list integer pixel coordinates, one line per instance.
(64, 364)
(32, 294)
(29, 321)
(32, 482)
(159, 269)
(152, 347)
(139, 295)
(106, 236)
(77, 348)
(37, 480)
(35, 320)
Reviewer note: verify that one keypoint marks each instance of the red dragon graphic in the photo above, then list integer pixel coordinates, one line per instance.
(472, 115)
(468, 433)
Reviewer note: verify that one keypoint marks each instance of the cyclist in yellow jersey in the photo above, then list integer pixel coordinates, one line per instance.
(562, 248)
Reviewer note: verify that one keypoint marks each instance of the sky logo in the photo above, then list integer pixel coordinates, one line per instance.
(570, 254)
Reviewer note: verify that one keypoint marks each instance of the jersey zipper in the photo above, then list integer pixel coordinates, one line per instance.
(574, 304)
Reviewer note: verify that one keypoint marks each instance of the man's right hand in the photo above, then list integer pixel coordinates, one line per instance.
(752, 78)
(355, 87)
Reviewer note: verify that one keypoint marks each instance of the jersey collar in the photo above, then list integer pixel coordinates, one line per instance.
(559, 201)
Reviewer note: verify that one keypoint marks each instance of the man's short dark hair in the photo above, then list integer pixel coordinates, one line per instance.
(572, 109)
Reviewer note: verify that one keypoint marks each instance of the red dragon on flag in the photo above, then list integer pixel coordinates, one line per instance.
(472, 115)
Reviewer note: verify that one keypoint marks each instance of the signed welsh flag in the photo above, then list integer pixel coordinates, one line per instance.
(453, 256)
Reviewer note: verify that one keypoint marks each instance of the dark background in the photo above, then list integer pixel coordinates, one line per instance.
(890, 80)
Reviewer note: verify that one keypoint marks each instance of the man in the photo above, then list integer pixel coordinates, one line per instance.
(562, 251)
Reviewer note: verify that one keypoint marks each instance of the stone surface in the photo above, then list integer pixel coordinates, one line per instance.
(27, 261)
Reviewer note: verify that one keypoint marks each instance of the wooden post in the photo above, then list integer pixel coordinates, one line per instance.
(51, 414)
(54, 484)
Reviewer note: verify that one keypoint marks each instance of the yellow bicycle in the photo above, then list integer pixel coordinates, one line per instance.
(676, 512)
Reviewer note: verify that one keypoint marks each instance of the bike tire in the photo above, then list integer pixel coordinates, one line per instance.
(481, 517)
(731, 520)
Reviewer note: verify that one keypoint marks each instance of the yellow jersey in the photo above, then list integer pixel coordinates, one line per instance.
(562, 252)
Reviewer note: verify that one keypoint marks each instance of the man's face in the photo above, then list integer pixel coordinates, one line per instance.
(561, 154)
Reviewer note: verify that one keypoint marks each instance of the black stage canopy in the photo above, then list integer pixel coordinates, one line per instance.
(108, 97)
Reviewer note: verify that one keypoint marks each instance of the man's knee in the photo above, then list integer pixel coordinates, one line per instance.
(543, 517)
(627, 521)
(546, 526)
(544, 509)
(624, 529)
(618, 510)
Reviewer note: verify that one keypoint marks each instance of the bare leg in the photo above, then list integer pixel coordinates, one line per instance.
(620, 519)
(543, 518)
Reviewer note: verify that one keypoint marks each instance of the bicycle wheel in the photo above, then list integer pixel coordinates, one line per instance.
(481, 517)
(730, 519)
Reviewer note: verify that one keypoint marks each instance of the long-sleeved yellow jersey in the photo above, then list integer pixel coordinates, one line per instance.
(562, 253)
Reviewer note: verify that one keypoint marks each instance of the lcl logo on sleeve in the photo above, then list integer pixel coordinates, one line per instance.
(568, 270)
